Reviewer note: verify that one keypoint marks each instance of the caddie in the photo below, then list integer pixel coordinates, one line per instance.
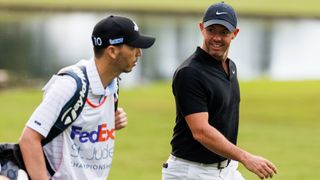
(85, 149)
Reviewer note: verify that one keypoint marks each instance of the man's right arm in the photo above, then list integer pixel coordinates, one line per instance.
(32, 153)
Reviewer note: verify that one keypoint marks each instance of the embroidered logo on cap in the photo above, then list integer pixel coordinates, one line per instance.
(136, 28)
(220, 13)
(116, 41)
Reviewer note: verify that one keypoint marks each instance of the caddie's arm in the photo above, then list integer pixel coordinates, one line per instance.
(213, 140)
(121, 120)
(32, 153)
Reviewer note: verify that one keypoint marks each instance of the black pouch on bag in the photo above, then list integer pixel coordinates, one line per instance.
(11, 162)
(11, 152)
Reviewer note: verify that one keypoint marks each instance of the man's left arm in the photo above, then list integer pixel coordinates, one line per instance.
(214, 141)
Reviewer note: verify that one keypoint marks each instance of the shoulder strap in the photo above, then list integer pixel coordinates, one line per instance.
(116, 95)
(74, 106)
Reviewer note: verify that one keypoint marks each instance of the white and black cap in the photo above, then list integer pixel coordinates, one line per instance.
(117, 30)
(220, 13)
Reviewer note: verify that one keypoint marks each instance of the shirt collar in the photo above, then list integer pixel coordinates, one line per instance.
(209, 60)
(96, 83)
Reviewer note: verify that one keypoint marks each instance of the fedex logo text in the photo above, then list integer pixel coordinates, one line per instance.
(102, 134)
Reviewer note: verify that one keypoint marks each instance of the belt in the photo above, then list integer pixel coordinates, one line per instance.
(219, 165)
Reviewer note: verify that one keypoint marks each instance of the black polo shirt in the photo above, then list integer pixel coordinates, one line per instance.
(201, 85)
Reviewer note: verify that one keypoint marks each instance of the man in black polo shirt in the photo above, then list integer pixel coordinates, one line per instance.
(207, 96)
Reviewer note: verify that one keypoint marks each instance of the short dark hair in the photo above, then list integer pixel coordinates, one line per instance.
(98, 51)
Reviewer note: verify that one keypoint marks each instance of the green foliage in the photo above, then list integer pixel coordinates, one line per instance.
(279, 120)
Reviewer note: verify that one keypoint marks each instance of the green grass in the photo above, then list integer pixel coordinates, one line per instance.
(279, 120)
(16, 106)
(245, 7)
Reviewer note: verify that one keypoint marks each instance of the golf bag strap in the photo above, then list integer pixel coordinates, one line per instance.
(116, 95)
(72, 109)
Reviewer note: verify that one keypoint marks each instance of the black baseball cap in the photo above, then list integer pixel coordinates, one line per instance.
(220, 13)
(117, 30)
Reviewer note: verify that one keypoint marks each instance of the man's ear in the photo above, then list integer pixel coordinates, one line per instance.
(112, 51)
(201, 27)
(235, 33)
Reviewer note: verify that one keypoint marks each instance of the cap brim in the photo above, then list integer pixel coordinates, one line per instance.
(224, 23)
(142, 42)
